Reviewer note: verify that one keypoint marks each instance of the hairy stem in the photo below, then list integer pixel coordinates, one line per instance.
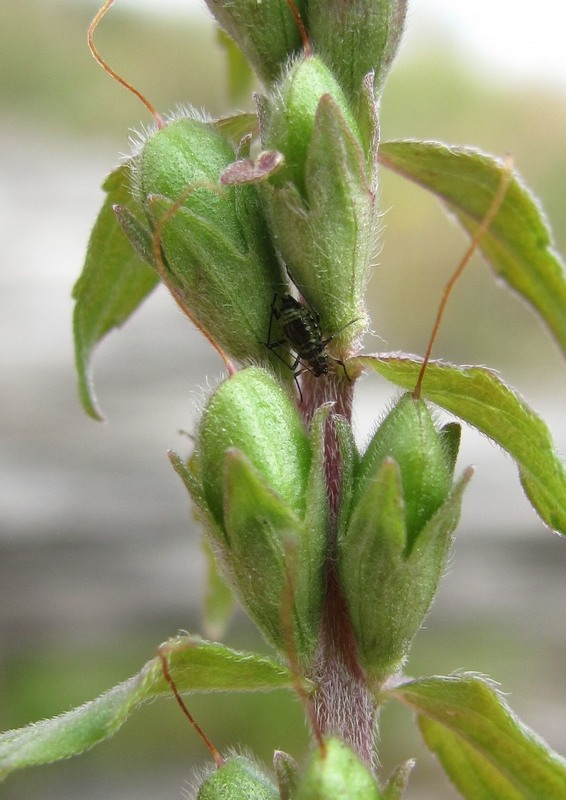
(343, 704)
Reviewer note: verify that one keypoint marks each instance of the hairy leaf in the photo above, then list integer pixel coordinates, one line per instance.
(519, 244)
(478, 396)
(113, 283)
(487, 752)
(195, 666)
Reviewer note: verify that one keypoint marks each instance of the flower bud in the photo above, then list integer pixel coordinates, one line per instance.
(214, 243)
(408, 437)
(397, 540)
(251, 414)
(291, 120)
(259, 485)
(266, 32)
(335, 772)
(287, 774)
(356, 37)
(321, 203)
(237, 778)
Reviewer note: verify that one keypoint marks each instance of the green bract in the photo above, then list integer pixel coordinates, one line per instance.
(356, 37)
(291, 119)
(266, 32)
(238, 777)
(395, 546)
(335, 773)
(321, 203)
(424, 456)
(215, 247)
(259, 484)
(251, 414)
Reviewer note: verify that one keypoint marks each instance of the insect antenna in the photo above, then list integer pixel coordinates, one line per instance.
(218, 760)
(159, 121)
(480, 233)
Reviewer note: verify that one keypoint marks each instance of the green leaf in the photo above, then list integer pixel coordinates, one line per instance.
(113, 283)
(239, 73)
(487, 752)
(219, 601)
(519, 244)
(237, 126)
(195, 666)
(397, 783)
(478, 396)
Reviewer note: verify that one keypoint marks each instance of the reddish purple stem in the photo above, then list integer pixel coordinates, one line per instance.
(343, 703)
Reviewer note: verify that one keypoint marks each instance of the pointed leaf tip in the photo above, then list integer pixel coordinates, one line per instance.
(113, 283)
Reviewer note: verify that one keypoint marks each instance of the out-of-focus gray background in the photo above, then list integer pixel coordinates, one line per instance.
(99, 558)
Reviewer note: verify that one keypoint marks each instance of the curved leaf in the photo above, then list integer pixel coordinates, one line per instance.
(478, 396)
(519, 244)
(487, 752)
(239, 75)
(195, 666)
(113, 283)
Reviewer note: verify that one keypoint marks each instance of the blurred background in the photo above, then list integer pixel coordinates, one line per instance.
(99, 557)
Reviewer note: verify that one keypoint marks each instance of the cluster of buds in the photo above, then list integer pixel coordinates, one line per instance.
(332, 773)
(299, 520)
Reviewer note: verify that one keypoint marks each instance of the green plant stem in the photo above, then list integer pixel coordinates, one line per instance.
(343, 704)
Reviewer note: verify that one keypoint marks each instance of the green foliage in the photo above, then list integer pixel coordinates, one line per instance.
(478, 396)
(238, 777)
(518, 245)
(321, 204)
(258, 482)
(370, 31)
(266, 33)
(334, 772)
(114, 281)
(335, 555)
(240, 75)
(487, 752)
(194, 664)
(394, 549)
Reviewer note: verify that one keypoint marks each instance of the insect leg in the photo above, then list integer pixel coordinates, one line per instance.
(343, 365)
(274, 313)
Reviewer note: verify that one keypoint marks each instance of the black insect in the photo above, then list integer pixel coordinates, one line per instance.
(300, 325)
